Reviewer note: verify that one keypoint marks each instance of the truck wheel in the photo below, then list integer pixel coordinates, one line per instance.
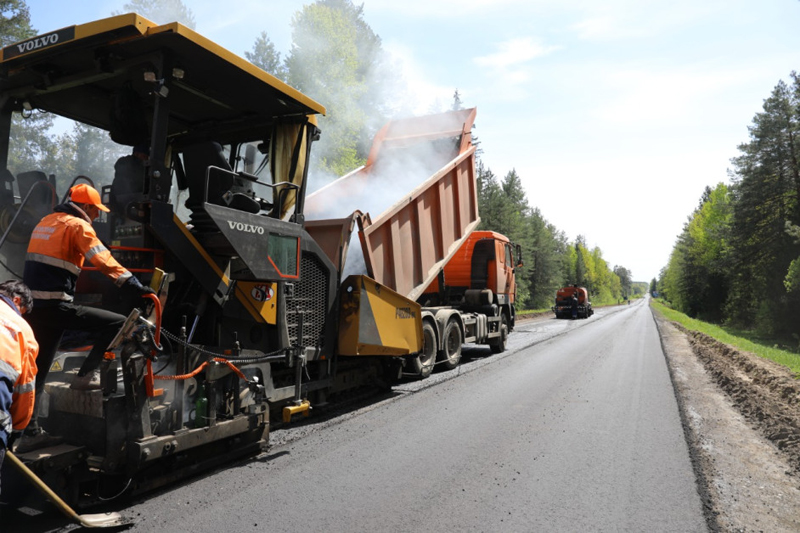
(451, 354)
(499, 344)
(427, 358)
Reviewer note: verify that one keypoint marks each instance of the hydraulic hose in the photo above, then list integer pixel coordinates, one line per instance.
(157, 304)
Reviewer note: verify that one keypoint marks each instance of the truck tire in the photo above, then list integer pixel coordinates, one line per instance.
(498, 345)
(450, 355)
(427, 358)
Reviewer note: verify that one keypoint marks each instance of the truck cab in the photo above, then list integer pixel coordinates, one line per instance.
(485, 261)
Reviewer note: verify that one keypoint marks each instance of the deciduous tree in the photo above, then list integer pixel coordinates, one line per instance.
(337, 59)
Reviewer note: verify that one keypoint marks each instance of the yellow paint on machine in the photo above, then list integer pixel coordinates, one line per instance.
(375, 320)
(131, 26)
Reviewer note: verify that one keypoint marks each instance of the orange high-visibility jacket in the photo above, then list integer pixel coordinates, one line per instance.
(59, 245)
(18, 350)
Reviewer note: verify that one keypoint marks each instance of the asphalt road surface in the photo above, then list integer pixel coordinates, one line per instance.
(574, 428)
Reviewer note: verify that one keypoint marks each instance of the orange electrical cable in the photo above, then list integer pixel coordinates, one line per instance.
(149, 377)
(157, 304)
(199, 369)
(181, 377)
(157, 339)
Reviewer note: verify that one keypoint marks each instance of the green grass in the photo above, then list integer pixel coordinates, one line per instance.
(533, 311)
(722, 334)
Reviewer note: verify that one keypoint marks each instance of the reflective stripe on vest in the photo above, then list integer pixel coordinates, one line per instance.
(51, 295)
(122, 279)
(95, 250)
(25, 388)
(5, 421)
(52, 261)
(9, 371)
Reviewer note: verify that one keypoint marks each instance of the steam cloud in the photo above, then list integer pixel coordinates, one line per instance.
(401, 165)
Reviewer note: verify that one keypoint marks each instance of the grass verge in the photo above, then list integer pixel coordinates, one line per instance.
(533, 311)
(783, 357)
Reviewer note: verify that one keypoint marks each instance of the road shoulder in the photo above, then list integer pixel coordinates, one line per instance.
(746, 482)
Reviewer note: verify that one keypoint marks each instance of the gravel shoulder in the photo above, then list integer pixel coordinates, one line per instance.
(741, 416)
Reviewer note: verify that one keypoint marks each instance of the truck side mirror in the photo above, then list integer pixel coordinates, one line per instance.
(519, 256)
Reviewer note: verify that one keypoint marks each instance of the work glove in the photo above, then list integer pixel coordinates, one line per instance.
(134, 287)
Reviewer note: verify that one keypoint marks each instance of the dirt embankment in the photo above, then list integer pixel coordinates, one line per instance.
(766, 393)
(741, 416)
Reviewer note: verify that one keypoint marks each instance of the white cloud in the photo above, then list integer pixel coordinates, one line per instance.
(596, 28)
(514, 52)
(509, 68)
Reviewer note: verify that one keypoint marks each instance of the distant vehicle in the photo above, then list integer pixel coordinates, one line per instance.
(563, 306)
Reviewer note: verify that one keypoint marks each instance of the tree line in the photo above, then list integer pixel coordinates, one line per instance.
(337, 59)
(737, 259)
(550, 260)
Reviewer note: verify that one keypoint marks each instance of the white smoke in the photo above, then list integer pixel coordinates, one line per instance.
(402, 165)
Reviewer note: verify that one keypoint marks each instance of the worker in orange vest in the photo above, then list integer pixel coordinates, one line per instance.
(18, 350)
(58, 247)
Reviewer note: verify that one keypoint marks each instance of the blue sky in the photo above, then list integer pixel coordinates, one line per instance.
(615, 114)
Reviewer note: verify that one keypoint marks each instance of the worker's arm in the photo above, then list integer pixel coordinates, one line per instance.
(25, 387)
(98, 255)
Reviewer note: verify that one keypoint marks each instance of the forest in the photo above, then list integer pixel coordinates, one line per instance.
(337, 59)
(737, 260)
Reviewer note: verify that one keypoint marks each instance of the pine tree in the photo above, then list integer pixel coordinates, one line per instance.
(766, 196)
(15, 22)
(581, 252)
(544, 260)
(456, 102)
(266, 57)
(30, 142)
(95, 153)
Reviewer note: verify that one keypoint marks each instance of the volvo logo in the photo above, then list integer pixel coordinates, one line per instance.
(39, 42)
(246, 228)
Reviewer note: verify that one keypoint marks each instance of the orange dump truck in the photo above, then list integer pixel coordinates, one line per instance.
(565, 303)
(458, 284)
